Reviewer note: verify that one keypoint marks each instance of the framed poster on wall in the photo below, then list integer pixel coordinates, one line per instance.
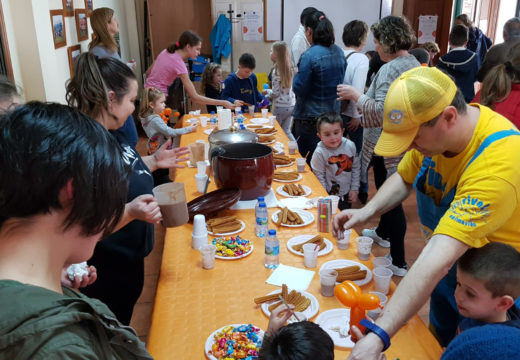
(58, 28)
(81, 24)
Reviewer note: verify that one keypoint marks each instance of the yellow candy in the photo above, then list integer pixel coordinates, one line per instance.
(229, 252)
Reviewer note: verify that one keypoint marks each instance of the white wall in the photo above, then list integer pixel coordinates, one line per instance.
(38, 68)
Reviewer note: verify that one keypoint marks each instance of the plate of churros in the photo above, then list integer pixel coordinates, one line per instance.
(282, 160)
(286, 176)
(302, 300)
(292, 218)
(293, 190)
(295, 244)
(349, 270)
(225, 225)
(265, 131)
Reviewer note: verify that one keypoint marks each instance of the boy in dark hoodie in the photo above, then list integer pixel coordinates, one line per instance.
(462, 64)
(488, 282)
(242, 84)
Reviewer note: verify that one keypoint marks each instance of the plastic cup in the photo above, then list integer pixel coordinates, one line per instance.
(201, 182)
(335, 201)
(220, 108)
(238, 109)
(374, 314)
(208, 252)
(264, 113)
(300, 164)
(201, 167)
(382, 277)
(310, 255)
(291, 146)
(272, 120)
(199, 225)
(197, 112)
(381, 261)
(203, 121)
(343, 244)
(364, 246)
(252, 110)
(328, 281)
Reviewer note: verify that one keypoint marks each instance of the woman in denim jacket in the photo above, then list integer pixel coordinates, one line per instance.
(321, 69)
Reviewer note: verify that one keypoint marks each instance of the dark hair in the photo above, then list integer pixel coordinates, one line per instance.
(322, 29)
(188, 37)
(329, 118)
(497, 265)
(465, 20)
(394, 33)
(93, 77)
(421, 54)
(247, 61)
(459, 35)
(306, 12)
(512, 28)
(298, 341)
(354, 33)
(42, 147)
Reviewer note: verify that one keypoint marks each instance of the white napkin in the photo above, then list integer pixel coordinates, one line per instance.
(294, 278)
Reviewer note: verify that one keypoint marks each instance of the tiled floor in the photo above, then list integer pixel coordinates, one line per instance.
(414, 243)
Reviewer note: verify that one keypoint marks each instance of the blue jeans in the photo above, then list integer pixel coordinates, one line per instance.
(306, 136)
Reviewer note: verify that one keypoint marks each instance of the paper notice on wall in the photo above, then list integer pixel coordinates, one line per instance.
(253, 26)
(427, 28)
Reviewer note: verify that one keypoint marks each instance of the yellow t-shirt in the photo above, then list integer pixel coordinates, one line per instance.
(486, 204)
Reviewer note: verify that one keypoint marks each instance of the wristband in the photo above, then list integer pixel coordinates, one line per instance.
(371, 327)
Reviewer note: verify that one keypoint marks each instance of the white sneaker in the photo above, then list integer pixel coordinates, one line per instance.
(371, 233)
(388, 256)
(398, 271)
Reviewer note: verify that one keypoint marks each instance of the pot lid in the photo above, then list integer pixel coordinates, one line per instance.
(231, 136)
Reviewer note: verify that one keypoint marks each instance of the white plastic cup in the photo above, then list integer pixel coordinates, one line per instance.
(203, 121)
(291, 146)
(201, 167)
(364, 246)
(197, 112)
(198, 241)
(343, 243)
(252, 110)
(237, 110)
(272, 120)
(199, 225)
(300, 164)
(310, 255)
(264, 113)
(220, 108)
(374, 314)
(382, 277)
(328, 281)
(201, 182)
(208, 252)
(381, 261)
(334, 201)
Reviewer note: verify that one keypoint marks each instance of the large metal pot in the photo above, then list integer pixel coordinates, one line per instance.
(231, 136)
(248, 166)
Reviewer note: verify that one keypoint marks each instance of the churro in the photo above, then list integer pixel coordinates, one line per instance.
(294, 189)
(282, 159)
(265, 138)
(359, 275)
(318, 239)
(266, 298)
(265, 131)
(224, 224)
(285, 175)
(296, 298)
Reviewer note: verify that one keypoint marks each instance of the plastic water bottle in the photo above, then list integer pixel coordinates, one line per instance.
(240, 117)
(272, 250)
(261, 218)
(212, 119)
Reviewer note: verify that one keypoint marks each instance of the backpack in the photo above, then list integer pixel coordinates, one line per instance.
(344, 103)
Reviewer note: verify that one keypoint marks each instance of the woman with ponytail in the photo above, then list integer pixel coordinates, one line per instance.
(501, 87)
(170, 65)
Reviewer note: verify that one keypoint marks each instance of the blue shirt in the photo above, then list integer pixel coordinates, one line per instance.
(242, 89)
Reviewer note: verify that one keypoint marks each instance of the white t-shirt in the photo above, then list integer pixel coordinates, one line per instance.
(355, 75)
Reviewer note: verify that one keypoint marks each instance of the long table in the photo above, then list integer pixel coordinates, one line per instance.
(191, 302)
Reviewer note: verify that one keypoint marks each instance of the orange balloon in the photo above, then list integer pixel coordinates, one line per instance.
(167, 111)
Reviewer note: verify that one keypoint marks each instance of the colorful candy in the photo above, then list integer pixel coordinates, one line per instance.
(240, 342)
(231, 247)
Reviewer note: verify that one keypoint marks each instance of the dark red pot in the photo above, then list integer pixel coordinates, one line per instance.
(248, 166)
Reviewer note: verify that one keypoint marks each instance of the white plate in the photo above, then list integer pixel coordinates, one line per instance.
(288, 181)
(211, 340)
(230, 233)
(267, 143)
(284, 165)
(235, 257)
(332, 319)
(208, 131)
(303, 238)
(282, 192)
(311, 311)
(340, 263)
(259, 120)
(306, 216)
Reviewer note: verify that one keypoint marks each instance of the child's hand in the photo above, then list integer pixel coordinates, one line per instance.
(193, 128)
(238, 103)
(352, 196)
(276, 321)
(228, 105)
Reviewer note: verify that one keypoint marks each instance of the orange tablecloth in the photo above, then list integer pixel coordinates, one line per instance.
(191, 302)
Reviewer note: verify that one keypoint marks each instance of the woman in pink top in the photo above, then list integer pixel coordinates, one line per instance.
(501, 87)
(169, 65)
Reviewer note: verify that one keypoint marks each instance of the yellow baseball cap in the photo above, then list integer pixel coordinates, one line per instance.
(415, 97)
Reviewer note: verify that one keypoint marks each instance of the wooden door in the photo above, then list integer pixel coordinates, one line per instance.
(167, 19)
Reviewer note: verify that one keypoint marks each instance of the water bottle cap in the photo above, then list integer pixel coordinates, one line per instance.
(212, 113)
(262, 204)
(260, 198)
(272, 232)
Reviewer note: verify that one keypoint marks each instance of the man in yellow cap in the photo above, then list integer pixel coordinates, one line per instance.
(464, 163)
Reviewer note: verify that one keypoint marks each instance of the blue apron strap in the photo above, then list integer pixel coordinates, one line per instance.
(422, 172)
(489, 140)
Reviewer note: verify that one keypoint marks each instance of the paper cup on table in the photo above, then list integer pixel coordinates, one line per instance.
(310, 255)
(300, 164)
(171, 198)
(199, 236)
(272, 120)
(196, 152)
(291, 147)
(208, 256)
(203, 121)
(264, 113)
(252, 110)
(382, 277)
(328, 281)
(364, 246)
(381, 261)
(335, 201)
(201, 167)
(201, 182)
(374, 314)
(343, 243)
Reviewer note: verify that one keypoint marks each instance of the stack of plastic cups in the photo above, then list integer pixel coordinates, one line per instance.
(324, 215)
